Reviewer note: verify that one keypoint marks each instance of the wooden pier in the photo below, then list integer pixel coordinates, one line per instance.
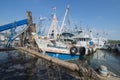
(77, 70)
(70, 66)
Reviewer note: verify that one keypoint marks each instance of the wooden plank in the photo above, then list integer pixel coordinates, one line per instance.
(70, 66)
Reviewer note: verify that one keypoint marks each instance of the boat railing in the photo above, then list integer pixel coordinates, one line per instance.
(56, 46)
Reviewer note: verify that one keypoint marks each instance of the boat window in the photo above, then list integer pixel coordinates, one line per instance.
(84, 39)
(80, 39)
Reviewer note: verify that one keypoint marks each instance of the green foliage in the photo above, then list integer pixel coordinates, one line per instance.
(114, 41)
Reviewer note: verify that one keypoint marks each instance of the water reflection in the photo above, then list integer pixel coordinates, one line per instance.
(16, 65)
(105, 58)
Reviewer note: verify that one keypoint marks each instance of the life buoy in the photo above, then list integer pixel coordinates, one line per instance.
(91, 44)
(82, 50)
(73, 50)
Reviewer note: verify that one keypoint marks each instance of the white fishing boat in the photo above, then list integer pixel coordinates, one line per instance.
(101, 43)
(118, 47)
(53, 46)
(81, 39)
(58, 49)
(84, 39)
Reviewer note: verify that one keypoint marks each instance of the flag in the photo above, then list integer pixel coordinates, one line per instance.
(54, 7)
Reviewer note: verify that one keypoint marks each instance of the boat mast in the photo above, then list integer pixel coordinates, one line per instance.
(64, 18)
(53, 29)
(40, 25)
(54, 26)
(91, 35)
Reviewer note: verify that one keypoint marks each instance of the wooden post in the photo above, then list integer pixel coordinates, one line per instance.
(22, 37)
(32, 28)
(27, 33)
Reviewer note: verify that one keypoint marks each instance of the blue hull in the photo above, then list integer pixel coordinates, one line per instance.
(63, 56)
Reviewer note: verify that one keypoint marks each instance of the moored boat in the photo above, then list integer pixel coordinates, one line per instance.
(118, 47)
(54, 45)
(85, 40)
(58, 49)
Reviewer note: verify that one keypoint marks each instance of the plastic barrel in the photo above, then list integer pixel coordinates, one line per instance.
(103, 70)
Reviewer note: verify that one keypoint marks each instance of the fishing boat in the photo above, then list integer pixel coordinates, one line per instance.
(58, 49)
(118, 47)
(101, 43)
(53, 46)
(84, 39)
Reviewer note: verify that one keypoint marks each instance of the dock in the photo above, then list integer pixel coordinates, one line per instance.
(78, 71)
(74, 69)
(70, 66)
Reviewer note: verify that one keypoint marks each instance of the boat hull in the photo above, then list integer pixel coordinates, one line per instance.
(64, 56)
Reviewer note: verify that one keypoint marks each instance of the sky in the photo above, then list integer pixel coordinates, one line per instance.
(102, 16)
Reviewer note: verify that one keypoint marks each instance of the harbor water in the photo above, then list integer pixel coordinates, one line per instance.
(15, 65)
(107, 58)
